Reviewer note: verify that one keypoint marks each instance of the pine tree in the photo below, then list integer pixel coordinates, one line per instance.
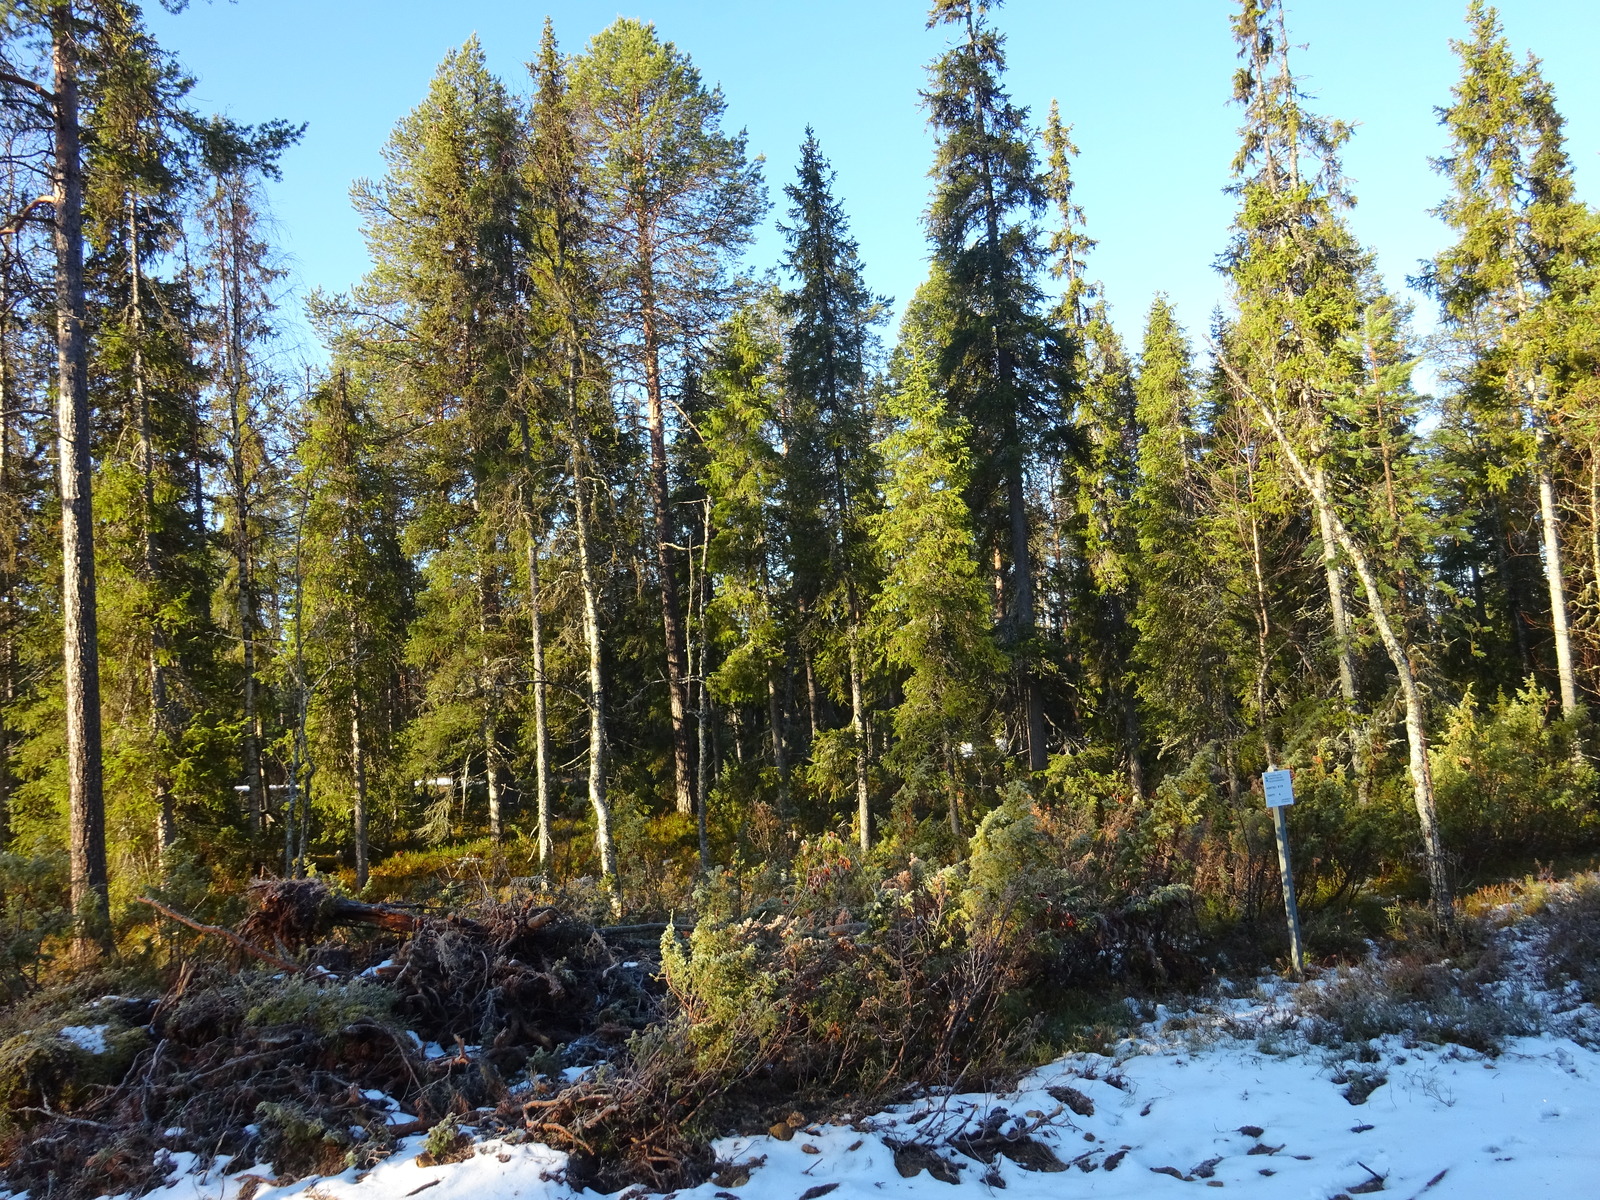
(46, 93)
(996, 363)
(676, 197)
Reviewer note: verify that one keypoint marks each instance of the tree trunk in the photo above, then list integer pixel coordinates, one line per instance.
(591, 635)
(858, 731)
(1550, 536)
(491, 776)
(1519, 631)
(358, 774)
(541, 727)
(8, 560)
(666, 566)
(90, 887)
(244, 584)
(160, 718)
(1022, 599)
(1341, 618)
(780, 758)
(702, 791)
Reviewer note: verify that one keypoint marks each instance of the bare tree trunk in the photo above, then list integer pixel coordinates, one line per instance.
(541, 727)
(358, 774)
(582, 528)
(702, 792)
(1341, 617)
(1022, 598)
(666, 568)
(90, 893)
(1416, 719)
(491, 775)
(160, 715)
(1550, 536)
(8, 567)
(813, 701)
(780, 758)
(1519, 632)
(858, 732)
(239, 482)
(1594, 519)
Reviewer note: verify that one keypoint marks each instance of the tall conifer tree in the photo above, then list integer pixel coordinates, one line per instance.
(996, 364)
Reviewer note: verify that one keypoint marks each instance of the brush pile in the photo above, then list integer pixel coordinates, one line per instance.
(296, 1040)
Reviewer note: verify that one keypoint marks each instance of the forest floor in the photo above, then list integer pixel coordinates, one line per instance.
(1386, 1076)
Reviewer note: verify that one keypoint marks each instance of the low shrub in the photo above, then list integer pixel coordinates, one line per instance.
(1509, 784)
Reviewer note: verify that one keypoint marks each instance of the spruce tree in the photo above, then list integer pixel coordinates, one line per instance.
(354, 590)
(830, 469)
(1514, 279)
(997, 362)
(743, 471)
(443, 231)
(932, 612)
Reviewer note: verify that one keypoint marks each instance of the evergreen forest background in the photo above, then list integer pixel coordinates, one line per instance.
(601, 560)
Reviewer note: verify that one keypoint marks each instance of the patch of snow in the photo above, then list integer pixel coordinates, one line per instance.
(91, 1039)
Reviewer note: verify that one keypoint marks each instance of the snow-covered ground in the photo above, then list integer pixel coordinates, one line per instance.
(1204, 1106)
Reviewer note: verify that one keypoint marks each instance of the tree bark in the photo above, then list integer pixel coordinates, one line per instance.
(541, 727)
(666, 565)
(90, 885)
(8, 566)
(239, 482)
(1550, 535)
(858, 733)
(583, 529)
(160, 717)
(358, 773)
(1336, 605)
(702, 791)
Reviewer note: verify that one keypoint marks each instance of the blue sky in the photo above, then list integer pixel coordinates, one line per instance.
(1144, 82)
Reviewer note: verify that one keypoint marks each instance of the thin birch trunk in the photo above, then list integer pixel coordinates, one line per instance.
(858, 732)
(581, 515)
(702, 795)
(1336, 604)
(160, 717)
(358, 773)
(541, 726)
(1550, 535)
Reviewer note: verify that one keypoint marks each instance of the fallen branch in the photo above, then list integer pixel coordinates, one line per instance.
(218, 931)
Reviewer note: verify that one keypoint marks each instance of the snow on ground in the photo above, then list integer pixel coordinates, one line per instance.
(88, 1038)
(1168, 1113)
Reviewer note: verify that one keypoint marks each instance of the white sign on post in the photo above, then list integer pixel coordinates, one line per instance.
(1278, 788)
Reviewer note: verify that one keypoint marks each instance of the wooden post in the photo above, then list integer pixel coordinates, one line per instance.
(1278, 788)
